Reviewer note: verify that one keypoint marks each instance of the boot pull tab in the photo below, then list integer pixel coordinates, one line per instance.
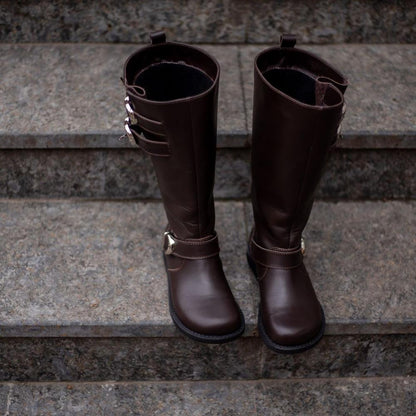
(157, 37)
(287, 40)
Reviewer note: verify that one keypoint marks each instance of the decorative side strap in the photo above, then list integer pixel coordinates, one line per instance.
(151, 147)
(135, 124)
(274, 258)
(152, 126)
(191, 249)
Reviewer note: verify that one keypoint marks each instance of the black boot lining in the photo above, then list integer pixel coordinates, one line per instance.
(293, 83)
(167, 81)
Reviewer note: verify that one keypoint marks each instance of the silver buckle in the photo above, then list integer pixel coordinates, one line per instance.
(171, 242)
(302, 246)
(129, 133)
(339, 130)
(130, 111)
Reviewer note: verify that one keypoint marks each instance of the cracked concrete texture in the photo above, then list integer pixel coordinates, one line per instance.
(381, 397)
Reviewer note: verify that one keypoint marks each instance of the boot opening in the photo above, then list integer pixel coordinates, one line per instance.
(293, 83)
(167, 81)
(291, 58)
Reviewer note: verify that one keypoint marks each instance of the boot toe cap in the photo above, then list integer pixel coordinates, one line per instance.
(202, 300)
(219, 317)
(295, 328)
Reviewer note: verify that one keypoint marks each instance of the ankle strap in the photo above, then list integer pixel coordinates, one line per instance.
(191, 249)
(275, 258)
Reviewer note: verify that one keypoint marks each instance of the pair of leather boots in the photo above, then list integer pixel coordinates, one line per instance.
(171, 101)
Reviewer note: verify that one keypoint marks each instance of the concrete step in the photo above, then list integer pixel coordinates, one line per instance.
(70, 95)
(352, 396)
(84, 297)
(61, 113)
(208, 21)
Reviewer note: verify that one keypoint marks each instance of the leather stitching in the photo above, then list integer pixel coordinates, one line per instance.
(302, 185)
(195, 258)
(195, 170)
(275, 253)
(278, 267)
(280, 251)
(177, 269)
(186, 248)
(196, 243)
(260, 278)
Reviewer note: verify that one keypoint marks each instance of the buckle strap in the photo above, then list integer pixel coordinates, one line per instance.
(135, 124)
(275, 258)
(145, 123)
(151, 147)
(191, 249)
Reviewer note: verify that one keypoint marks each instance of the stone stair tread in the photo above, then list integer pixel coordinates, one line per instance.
(69, 95)
(94, 268)
(204, 22)
(338, 396)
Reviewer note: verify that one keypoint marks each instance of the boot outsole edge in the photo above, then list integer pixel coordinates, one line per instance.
(196, 336)
(284, 349)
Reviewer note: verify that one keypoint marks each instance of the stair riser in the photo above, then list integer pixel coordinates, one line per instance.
(391, 396)
(126, 173)
(208, 21)
(89, 359)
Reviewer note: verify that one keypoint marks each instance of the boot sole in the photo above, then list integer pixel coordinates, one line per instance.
(196, 336)
(283, 349)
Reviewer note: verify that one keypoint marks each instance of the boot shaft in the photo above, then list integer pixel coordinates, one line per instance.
(298, 106)
(173, 91)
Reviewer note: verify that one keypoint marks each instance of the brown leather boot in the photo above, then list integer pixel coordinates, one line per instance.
(172, 95)
(298, 107)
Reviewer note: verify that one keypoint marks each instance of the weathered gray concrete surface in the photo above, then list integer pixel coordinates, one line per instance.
(95, 268)
(352, 396)
(214, 21)
(4, 397)
(70, 96)
(128, 173)
(179, 358)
